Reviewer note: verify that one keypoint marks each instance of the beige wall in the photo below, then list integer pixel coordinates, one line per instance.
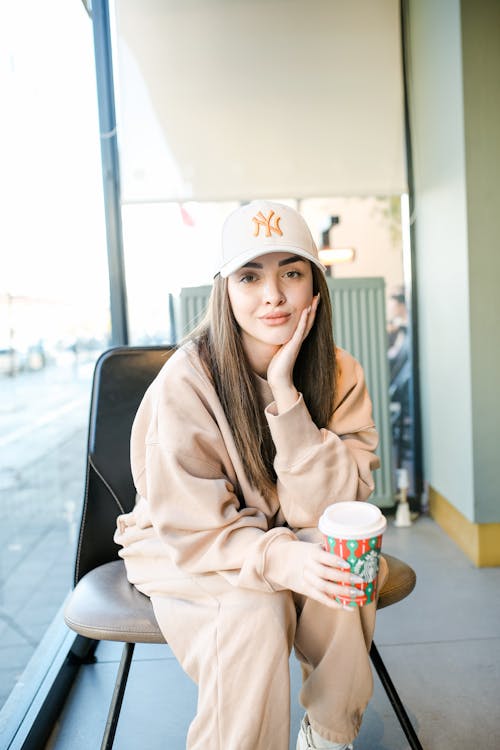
(442, 248)
(454, 52)
(226, 100)
(481, 77)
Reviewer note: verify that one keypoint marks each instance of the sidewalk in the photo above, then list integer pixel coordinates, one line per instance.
(44, 418)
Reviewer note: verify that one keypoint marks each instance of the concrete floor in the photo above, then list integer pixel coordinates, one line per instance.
(441, 646)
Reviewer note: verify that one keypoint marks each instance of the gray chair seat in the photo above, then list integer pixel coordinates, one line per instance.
(104, 606)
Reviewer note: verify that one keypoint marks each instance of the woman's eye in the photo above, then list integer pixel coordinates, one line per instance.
(293, 274)
(247, 278)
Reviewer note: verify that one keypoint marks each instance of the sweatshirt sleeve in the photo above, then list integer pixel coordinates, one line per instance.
(316, 467)
(181, 471)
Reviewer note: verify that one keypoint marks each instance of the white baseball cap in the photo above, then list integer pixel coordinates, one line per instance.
(263, 227)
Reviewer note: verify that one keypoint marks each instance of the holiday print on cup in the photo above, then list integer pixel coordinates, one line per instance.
(363, 557)
(353, 531)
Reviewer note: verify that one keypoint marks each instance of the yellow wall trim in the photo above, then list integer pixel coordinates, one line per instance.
(479, 541)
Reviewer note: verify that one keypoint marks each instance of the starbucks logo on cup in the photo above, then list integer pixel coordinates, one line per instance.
(367, 566)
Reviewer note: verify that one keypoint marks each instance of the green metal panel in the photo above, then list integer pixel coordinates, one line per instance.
(193, 304)
(359, 325)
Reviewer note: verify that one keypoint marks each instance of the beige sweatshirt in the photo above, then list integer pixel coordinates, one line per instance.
(193, 492)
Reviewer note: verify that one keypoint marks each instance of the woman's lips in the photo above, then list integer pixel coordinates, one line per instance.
(275, 319)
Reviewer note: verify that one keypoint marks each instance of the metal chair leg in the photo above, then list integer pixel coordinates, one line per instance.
(117, 699)
(394, 698)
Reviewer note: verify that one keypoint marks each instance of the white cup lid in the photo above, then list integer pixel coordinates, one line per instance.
(352, 520)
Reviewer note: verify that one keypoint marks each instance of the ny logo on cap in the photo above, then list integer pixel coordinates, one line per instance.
(261, 221)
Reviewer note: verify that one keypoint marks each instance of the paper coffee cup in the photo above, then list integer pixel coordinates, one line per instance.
(353, 531)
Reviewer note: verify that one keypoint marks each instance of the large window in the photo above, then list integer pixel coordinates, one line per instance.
(204, 123)
(170, 254)
(54, 309)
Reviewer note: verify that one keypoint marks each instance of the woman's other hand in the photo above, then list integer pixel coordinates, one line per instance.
(308, 569)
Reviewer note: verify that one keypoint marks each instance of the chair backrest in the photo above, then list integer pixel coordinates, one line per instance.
(121, 377)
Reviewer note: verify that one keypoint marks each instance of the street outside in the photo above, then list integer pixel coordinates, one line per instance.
(44, 421)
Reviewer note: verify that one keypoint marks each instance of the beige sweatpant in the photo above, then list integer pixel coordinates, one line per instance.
(235, 644)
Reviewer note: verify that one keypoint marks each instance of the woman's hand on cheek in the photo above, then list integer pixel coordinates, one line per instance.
(280, 369)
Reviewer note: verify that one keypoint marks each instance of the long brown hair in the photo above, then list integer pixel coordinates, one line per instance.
(221, 351)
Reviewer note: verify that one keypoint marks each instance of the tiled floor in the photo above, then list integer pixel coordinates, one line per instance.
(441, 646)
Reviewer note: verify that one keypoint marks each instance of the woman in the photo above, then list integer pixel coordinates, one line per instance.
(250, 430)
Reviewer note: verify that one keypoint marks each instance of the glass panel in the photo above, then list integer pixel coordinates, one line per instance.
(371, 228)
(171, 247)
(54, 309)
(218, 144)
(167, 246)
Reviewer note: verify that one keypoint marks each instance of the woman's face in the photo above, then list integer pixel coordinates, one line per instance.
(267, 296)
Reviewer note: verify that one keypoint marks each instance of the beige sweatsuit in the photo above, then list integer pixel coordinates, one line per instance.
(197, 543)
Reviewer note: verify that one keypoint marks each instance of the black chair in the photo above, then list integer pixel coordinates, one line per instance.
(104, 606)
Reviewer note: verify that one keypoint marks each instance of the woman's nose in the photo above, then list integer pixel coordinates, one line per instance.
(273, 293)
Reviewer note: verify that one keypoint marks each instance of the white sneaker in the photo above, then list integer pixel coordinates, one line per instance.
(305, 740)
